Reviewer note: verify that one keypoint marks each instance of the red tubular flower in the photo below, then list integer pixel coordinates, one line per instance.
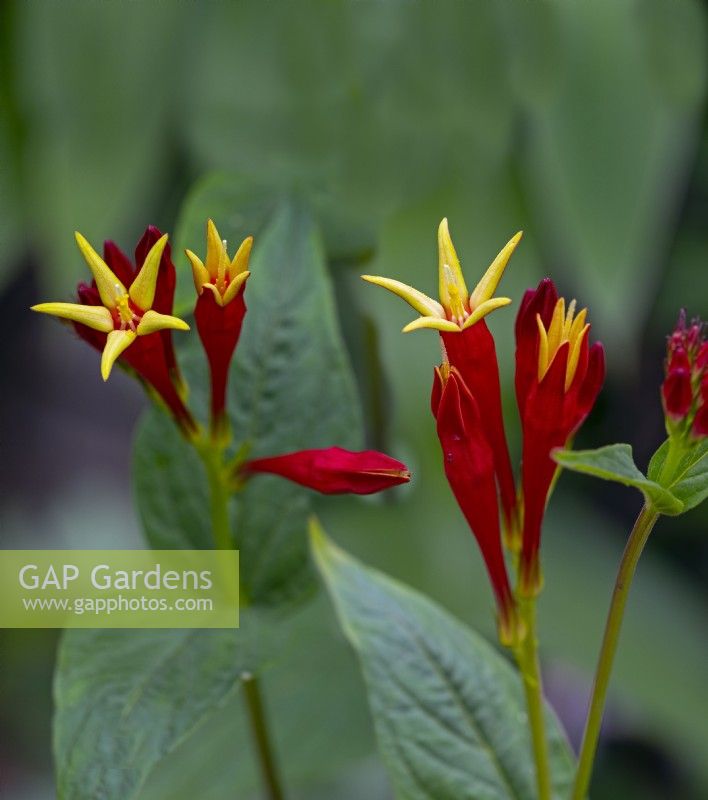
(473, 353)
(558, 378)
(219, 312)
(460, 319)
(469, 467)
(125, 313)
(333, 470)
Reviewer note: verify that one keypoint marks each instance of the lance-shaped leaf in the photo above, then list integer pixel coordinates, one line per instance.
(448, 709)
(614, 462)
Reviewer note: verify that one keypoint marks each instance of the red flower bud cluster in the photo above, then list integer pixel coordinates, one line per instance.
(684, 392)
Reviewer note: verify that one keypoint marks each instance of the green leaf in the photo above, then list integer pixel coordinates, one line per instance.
(448, 709)
(291, 387)
(690, 484)
(316, 679)
(614, 462)
(127, 698)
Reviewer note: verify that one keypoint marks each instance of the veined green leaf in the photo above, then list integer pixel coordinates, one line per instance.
(448, 710)
(614, 462)
(127, 698)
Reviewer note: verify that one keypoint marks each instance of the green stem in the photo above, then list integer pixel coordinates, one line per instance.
(212, 454)
(637, 539)
(261, 737)
(218, 496)
(527, 659)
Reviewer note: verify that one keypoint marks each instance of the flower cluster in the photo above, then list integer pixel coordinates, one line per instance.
(684, 392)
(126, 314)
(558, 377)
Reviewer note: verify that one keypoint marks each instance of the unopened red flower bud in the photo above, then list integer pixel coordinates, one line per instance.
(334, 470)
(677, 393)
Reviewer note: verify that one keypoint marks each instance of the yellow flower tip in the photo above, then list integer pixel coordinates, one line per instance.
(542, 348)
(574, 356)
(420, 302)
(116, 343)
(96, 317)
(451, 280)
(107, 283)
(142, 289)
(239, 263)
(484, 309)
(200, 274)
(153, 321)
(431, 323)
(233, 288)
(216, 255)
(486, 287)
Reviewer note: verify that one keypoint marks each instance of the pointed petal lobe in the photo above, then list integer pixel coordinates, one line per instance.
(96, 317)
(486, 287)
(116, 343)
(236, 283)
(152, 321)
(447, 257)
(433, 323)
(142, 289)
(485, 308)
(107, 281)
(420, 302)
(200, 273)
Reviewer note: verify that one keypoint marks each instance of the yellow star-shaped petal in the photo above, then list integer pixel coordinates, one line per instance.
(218, 273)
(125, 313)
(457, 310)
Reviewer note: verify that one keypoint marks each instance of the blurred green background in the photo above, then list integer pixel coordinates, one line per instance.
(582, 123)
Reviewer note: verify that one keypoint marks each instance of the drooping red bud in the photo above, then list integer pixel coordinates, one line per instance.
(468, 461)
(334, 470)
